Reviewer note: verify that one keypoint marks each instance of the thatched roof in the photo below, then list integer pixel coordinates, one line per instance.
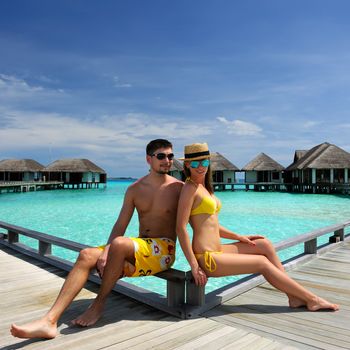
(20, 165)
(219, 163)
(323, 156)
(298, 154)
(263, 162)
(74, 166)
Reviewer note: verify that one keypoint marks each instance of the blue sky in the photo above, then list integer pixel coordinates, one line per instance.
(99, 79)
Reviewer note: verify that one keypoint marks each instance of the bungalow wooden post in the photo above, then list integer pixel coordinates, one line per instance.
(310, 247)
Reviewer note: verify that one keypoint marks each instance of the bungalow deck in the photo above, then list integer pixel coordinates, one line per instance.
(326, 188)
(26, 186)
(255, 319)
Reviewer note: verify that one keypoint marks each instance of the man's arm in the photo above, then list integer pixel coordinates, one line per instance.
(124, 217)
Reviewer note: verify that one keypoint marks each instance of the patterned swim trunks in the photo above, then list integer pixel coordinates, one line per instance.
(152, 255)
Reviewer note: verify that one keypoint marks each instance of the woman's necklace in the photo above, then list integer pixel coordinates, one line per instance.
(188, 179)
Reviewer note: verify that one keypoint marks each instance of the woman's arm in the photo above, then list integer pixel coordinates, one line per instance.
(225, 233)
(183, 214)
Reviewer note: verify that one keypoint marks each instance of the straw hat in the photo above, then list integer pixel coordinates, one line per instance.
(196, 151)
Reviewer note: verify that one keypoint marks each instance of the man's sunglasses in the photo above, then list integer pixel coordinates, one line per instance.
(162, 156)
(195, 163)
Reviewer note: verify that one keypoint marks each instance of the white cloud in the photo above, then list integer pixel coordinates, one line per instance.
(119, 84)
(310, 124)
(108, 134)
(13, 88)
(240, 127)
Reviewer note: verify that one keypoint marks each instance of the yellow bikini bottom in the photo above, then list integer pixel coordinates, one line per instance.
(209, 261)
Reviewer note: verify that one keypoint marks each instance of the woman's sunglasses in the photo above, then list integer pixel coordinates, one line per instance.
(195, 163)
(162, 156)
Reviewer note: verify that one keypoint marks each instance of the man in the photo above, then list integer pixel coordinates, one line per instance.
(155, 197)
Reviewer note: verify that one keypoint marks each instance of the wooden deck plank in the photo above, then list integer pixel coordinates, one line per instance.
(258, 319)
(27, 291)
(263, 310)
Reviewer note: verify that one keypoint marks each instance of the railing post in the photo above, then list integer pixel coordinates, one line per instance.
(340, 233)
(310, 247)
(338, 236)
(44, 248)
(12, 237)
(176, 292)
(195, 295)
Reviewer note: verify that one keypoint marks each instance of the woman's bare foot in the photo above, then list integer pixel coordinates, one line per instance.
(318, 304)
(295, 302)
(90, 316)
(37, 329)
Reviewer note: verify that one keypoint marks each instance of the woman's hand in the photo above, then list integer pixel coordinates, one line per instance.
(199, 276)
(249, 239)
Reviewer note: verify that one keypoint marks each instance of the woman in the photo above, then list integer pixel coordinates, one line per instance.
(208, 257)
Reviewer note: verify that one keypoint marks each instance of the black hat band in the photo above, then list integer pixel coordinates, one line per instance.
(198, 154)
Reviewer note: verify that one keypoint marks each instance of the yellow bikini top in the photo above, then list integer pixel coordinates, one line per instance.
(208, 205)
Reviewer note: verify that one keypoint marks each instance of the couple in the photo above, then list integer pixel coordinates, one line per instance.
(165, 206)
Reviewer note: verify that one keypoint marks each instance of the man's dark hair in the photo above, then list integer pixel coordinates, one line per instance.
(156, 144)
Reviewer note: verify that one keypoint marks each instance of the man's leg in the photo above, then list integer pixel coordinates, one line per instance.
(121, 250)
(46, 327)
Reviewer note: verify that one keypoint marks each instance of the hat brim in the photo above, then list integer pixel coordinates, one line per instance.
(195, 158)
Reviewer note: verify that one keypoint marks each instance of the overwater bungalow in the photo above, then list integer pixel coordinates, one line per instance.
(76, 173)
(20, 170)
(223, 170)
(176, 170)
(324, 168)
(263, 169)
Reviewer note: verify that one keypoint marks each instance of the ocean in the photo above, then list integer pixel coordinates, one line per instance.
(87, 216)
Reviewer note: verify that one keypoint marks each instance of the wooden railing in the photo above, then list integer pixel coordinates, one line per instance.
(176, 279)
(183, 298)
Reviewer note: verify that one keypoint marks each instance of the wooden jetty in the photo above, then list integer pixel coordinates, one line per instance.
(253, 316)
(247, 186)
(26, 186)
(326, 188)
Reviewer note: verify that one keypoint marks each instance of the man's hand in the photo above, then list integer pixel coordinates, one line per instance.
(101, 263)
(249, 239)
(199, 276)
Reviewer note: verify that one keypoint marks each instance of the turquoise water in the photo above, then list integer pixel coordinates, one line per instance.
(87, 216)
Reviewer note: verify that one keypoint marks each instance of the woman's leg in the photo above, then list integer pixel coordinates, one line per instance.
(235, 264)
(46, 327)
(264, 247)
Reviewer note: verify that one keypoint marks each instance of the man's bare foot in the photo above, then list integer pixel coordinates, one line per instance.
(318, 304)
(90, 316)
(37, 329)
(295, 302)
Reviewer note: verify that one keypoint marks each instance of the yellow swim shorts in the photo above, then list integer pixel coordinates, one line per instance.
(152, 255)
